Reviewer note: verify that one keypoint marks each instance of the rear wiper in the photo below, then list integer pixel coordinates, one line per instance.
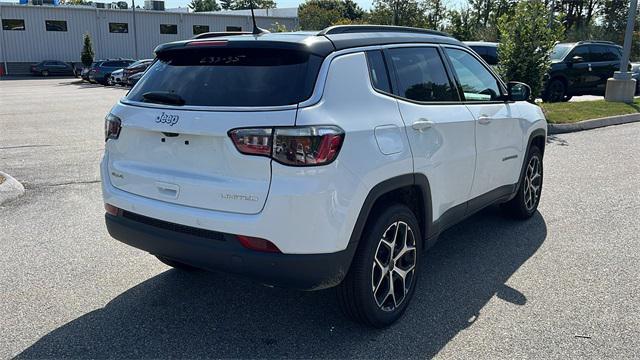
(163, 97)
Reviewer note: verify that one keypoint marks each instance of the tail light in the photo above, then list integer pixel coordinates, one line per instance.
(112, 127)
(257, 244)
(110, 209)
(294, 146)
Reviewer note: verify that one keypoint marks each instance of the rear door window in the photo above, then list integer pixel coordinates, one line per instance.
(421, 75)
(581, 51)
(232, 76)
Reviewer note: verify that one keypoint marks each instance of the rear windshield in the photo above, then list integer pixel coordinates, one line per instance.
(232, 76)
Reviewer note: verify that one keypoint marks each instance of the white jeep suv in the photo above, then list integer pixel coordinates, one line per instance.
(314, 160)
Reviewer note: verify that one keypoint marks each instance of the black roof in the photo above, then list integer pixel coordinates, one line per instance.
(324, 42)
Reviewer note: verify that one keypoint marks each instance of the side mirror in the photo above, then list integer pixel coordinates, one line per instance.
(577, 59)
(518, 91)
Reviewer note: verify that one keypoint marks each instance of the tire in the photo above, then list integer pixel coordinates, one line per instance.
(527, 198)
(556, 91)
(365, 293)
(44, 73)
(176, 264)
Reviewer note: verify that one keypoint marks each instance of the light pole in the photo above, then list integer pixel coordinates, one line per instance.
(135, 33)
(622, 87)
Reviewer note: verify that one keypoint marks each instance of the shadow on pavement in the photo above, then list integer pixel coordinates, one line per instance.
(187, 315)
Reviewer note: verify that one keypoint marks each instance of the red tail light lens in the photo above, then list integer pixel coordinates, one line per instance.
(257, 244)
(294, 146)
(112, 127)
(252, 141)
(110, 209)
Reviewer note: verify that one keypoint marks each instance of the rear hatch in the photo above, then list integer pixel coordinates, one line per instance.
(174, 144)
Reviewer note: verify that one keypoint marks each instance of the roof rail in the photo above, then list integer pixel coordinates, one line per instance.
(215, 34)
(348, 29)
(596, 42)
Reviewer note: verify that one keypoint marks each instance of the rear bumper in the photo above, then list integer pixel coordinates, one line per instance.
(222, 252)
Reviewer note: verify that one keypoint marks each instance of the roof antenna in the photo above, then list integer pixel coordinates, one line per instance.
(256, 29)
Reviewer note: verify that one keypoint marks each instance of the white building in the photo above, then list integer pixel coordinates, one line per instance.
(30, 34)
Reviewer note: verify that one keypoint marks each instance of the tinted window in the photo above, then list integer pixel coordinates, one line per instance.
(108, 64)
(199, 29)
(477, 83)
(491, 57)
(55, 25)
(234, 28)
(604, 53)
(169, 29)
(232, 77)
(378, 71)
(421, 74)
(582, 51)
(12, 24)
(119, 28)
(560, 51)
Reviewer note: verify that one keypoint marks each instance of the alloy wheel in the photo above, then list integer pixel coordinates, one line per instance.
(394, 266)
(532, 183)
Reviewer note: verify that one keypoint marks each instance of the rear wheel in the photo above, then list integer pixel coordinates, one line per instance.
(176, 264)
(526, 201)
(382, 278)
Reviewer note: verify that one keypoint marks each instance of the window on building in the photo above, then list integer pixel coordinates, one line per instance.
(119, 28)
(12, 24)
(421, 75)
(55, 25)
(168, 29)
(199, 29)
(234, 28)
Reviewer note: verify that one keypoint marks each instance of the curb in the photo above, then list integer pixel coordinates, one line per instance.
(10, 189)
(592, 124)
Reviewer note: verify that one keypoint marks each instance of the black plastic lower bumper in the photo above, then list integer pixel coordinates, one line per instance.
(218, 251)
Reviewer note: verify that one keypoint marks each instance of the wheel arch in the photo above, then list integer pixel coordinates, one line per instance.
(412, 190)
(537, 137)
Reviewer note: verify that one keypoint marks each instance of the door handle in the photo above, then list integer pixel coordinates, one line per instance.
(422, 124)
(484, 120)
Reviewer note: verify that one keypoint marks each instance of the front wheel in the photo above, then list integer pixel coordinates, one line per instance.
(44, 73)
(555, 92)
(383, 275)
(526, 201)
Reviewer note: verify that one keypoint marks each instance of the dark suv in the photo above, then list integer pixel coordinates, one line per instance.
(580, 68)
(488, 51)
(101, 70)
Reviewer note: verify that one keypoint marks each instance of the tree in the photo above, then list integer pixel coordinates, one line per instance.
(318, 14)
(226, 4)
(276, 27)
(257, 4)
(461, 25)
(204, 5)
(527, 38)
(87, 51)
(397, 12)
(435, 13)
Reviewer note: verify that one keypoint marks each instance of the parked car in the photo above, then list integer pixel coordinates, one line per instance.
(487, 50)
(84, 74)
(135, 68)
(101, 70)
(133, 79)
(273, 178)
(52, 67)
(635, 73)
(580, 68)
(116, 78)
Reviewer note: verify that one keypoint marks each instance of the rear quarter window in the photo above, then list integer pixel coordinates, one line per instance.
(232, 76)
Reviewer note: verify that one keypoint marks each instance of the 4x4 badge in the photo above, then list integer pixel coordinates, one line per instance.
(167, 119)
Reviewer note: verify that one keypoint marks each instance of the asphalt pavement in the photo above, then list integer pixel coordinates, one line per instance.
(564, 284)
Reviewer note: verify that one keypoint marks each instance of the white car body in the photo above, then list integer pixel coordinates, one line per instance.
(464, 152)
(116, 77)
